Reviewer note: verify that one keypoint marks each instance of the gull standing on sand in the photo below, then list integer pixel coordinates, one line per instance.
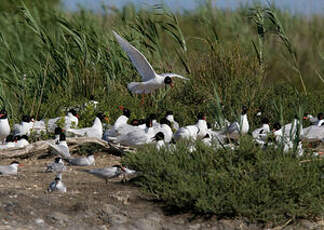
(150, 80)
(107, 173)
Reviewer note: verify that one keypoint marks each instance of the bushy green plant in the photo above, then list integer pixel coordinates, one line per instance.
(267, 186)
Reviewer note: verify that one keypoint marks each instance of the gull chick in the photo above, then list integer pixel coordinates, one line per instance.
(56, 166)
(57, 185)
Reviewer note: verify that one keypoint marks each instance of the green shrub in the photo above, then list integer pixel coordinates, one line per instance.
(263, 186)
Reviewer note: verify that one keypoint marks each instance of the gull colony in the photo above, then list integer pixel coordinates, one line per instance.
(163, 134)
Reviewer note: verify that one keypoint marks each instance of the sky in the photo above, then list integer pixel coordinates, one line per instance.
(306, 7)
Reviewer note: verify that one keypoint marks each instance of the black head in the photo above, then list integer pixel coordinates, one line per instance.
(24, 137)
(3, 114)
(101, 116)
(207, 136)
(148, 123)
(14, 162)
(168, 80)
(62, 137)
(276, 126)
(208, 125)
(173, 141)
(169, 113)
(159, 136)
(58, 130)
(265, 120)
(152, 116)
(126, 112)
(201, 116)
(165, 121)
(74, 113)
(57, 159)
(244, 109)
(117, 166)
(141, 121)
(92, 98)
(57, 179)
(320, 116)
(10, 138)
(26, 118)
(32, 118)
(134, 122)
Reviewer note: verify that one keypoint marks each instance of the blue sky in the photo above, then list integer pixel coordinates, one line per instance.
(300, 6)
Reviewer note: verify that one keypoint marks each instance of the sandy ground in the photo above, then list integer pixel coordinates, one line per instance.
(24, 199)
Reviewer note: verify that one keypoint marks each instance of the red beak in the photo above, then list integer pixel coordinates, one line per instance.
(77, 116)
(1, 115)
(20, 165)
(305, 118)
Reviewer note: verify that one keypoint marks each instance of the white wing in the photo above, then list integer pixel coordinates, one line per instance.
(17, 129)
(83, 161)
(78, 132)
(174, 75)
(61, 150)
(138, 59)
(104, 172)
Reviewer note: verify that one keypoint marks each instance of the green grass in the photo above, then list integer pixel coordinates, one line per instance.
(50, 59)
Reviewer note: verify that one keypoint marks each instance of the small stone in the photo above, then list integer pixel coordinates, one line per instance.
(122, 227)
(147, 224)
(226, 225)
(195, 226)
(117, 219)
(122, 197)
(39, 221)
(58, 218)
(110, 209)
(179, 221)
(103, 227)
(307, 224)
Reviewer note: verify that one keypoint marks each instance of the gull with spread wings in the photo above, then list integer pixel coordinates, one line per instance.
(150, 80)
